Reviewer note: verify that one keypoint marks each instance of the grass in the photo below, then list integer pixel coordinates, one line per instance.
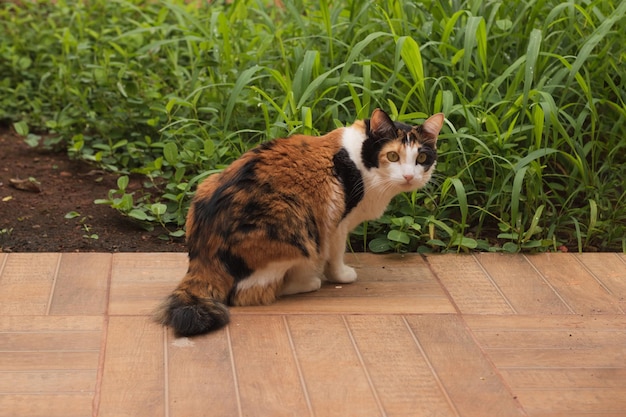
(532, 157)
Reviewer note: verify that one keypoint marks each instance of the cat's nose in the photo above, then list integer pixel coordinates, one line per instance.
(408, 177)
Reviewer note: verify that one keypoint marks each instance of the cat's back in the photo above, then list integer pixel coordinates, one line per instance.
(294, 165)
(279, 178)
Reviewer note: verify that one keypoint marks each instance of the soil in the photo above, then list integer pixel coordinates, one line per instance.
(32, 221)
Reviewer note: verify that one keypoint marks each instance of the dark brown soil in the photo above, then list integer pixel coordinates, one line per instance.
(36, 221)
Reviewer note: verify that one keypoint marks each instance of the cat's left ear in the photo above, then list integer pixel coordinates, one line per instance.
(381, 124)
(432, 126)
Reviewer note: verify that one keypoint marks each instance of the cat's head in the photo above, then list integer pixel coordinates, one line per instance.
(399, 155)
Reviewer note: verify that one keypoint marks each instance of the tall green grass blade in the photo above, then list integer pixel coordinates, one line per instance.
(532, 53)
(596, 37)
(593, 219)
(475, 36)
(533, 229)
(244, 80)
(316, 83)
(306, 71)
(578, 234)
(516, 193)
(462, 197)
(410, 52)
(534, 155)
(328, 27)
(357, 49)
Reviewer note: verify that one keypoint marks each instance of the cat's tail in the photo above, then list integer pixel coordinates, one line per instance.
(189, 314)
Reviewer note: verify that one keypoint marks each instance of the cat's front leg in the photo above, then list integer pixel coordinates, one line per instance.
(335, 269)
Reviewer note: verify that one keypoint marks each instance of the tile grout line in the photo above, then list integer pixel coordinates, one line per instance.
(5, 259)
(495, 284)
(166, 371)
(234, 369)
(298, 368)
(446, 292)
(560, 368)
(365, 371)
(599, 281)
(442, 388)
(103, 343)
(100, 370)
(545, 280)
(54, 284)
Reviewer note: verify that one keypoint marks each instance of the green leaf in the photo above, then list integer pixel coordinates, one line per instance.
(122, 182)
(124, 204)
(379, 245)
(209, 147)
(72, 215)
(138, 214)
(177, 233)
(510, 247)
(531, 244)
(21, 128)
(399, 236)
(464, 242)
(170, 152)
(158, 209)
(120, 144)
(504, 24)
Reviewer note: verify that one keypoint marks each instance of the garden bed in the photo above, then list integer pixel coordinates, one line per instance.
(63, 216)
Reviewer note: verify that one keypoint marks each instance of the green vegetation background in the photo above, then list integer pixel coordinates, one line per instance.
(532, 157)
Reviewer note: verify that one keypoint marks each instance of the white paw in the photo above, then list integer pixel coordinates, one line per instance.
(297, 287)
(342, 274)
(314, 285)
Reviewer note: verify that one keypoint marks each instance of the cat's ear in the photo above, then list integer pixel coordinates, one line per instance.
(381, 124)
(432, 126)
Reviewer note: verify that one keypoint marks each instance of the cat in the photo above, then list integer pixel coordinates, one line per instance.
(275, 222)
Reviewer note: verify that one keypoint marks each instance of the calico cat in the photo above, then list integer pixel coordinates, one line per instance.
(275, 221)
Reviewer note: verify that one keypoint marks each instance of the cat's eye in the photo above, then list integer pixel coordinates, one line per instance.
(393, 156)
(421, 158)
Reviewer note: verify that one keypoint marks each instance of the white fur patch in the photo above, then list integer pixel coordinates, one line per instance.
(352, 140)
(272, 273)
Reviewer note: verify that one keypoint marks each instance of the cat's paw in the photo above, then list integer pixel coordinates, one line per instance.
(301, 286)
(342, 274)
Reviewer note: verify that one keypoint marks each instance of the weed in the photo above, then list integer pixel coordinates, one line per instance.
(531, 158)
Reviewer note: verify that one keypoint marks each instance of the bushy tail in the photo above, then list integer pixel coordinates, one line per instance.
(190, 315)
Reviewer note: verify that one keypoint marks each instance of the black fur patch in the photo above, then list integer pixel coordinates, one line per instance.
(208, 211)
(295, 239)
(350, 177)
(431, 154)
(312, 229)
(193, 316)
(374, 143)
(263, 147)
(371, 148)
(235, 265)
